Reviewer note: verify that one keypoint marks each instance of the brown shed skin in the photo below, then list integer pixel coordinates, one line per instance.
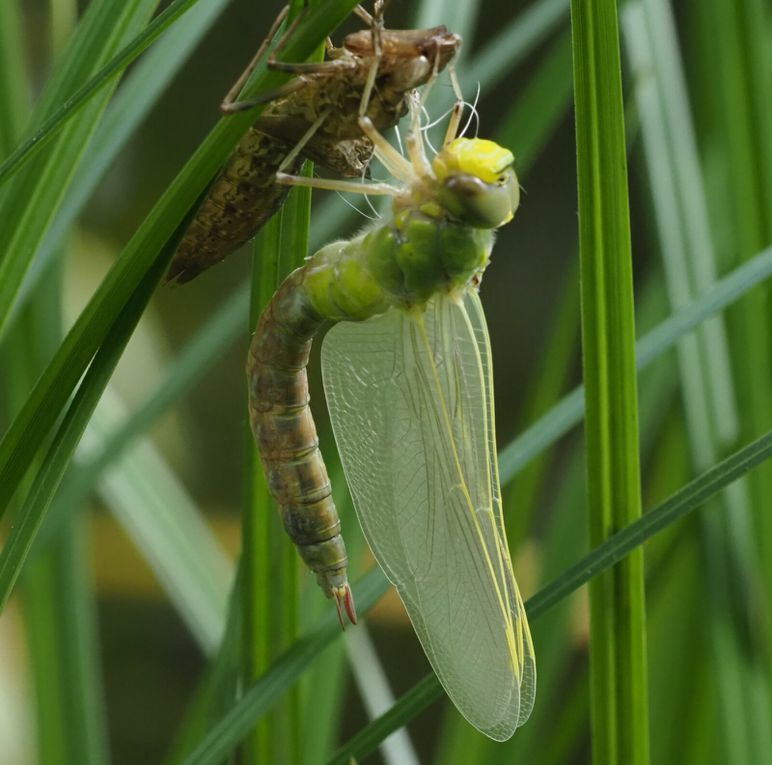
(245, 194)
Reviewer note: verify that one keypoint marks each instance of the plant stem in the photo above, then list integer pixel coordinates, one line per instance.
(619, 699)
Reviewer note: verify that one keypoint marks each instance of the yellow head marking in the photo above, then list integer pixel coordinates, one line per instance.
(476, 156)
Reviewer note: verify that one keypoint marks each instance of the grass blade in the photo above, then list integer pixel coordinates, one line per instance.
(32, 199)
(14, 87)
(231, 729)
(138, 93)
(618, 678)
(31, 515)
(159, 517)
(91, 328)
(568, 412)
(63, 641)
(78, 100)
(709, 397)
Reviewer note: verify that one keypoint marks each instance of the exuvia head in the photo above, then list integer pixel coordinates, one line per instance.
(477, 182)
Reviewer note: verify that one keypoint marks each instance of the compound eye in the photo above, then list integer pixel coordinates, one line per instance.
(480, 204)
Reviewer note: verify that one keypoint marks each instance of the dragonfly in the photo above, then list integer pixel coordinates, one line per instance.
(406, 369)
(315, 116)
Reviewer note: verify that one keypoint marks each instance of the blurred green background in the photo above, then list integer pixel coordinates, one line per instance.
(123, 596)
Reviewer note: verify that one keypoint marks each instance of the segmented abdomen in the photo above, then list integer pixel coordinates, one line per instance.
(286, 435)
(237, 204)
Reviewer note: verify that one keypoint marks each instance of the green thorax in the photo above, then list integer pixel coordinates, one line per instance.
(400, 263)
(438, 241)
(419, 255)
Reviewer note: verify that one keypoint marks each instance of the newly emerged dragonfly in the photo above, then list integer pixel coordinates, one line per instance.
(407, 373)
(315, 116)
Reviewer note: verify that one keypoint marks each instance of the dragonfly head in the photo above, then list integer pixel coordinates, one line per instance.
(477, 181)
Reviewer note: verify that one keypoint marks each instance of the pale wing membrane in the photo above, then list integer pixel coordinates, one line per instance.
(409, 398)
(522, 631)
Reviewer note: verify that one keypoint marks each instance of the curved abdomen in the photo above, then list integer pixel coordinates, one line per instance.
(286, 436)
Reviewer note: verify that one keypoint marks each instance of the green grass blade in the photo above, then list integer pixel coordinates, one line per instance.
(270, 602)
(62, 630)
(270, 599)
(218, 689)
(540, 106)
(159, 517)
(568, 412)
(138, 93)
(598, 561)
(101, 79)
(510, 46)
(231, 729)
(60, 623)
(55, 463)
(30, 202)
(618, 677)
(90, 329)
(738, 122)
(709, 398)
(14, 88)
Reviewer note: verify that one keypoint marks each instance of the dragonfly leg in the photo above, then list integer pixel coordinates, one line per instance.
(230, 104)
(414, 140)
(376, 25)
(458, 108)
(312, 67)
(289, 160)
(392, 160)
(356, 187)
(332, 184)
(360, 11)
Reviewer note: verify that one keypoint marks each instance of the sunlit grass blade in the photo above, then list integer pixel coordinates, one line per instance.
(14, 87)
(30, 517)
(58, 381)
(568, 412)
(221, 738)
(607, 554)
(139, 92)
(734, 122)
(709, 391)
(62, 634)
(77, 100)
(159, 517)
(30, 202)
(618, 676)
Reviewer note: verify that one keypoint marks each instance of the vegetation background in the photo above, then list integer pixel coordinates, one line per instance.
(119, 640)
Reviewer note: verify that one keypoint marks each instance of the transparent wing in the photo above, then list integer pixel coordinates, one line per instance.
(411, 405)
